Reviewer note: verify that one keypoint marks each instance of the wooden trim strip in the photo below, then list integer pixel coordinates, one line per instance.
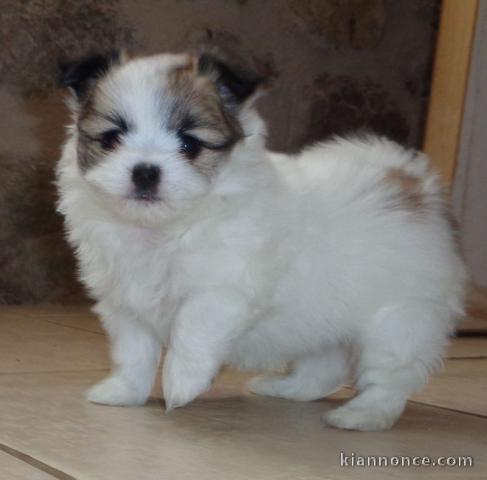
(33, 462)
(449, 84)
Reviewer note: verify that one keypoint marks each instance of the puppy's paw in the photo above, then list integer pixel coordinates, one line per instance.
(114, 391)
(183, 381)
(365, 419)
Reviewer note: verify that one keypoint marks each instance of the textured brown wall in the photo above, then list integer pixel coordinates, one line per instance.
(339, 65)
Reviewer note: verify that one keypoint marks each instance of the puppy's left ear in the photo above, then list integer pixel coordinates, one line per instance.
(82, 75)
(235, 86)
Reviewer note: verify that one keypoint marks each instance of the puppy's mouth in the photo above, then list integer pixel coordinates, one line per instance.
(144, 197)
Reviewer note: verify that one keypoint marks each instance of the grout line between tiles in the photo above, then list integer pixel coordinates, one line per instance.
(34, 462)
(419, 402)
(71, 326)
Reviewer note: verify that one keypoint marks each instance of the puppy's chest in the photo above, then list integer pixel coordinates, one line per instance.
(150, 273)
(135, 271)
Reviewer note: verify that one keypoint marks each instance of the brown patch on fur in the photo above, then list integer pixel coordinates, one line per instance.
(196, 97)
(88, 149)
(90, 124)
(409, 187)
(89, 152)
(422, 204)
(198, 110)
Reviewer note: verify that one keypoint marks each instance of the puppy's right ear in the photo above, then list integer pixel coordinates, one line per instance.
(81, 76)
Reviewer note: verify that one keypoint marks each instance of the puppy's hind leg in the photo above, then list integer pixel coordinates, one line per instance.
(135, 354)
(311, 378)
(399, 348)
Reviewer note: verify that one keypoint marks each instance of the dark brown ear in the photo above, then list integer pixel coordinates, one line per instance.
(234, 84)
(81, 75)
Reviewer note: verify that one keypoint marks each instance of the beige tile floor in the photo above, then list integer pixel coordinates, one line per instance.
(50, 355)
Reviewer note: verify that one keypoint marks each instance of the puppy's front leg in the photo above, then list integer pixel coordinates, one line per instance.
(200, 338)
(135, 353)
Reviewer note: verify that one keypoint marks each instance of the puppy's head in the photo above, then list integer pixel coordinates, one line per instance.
(153, 132)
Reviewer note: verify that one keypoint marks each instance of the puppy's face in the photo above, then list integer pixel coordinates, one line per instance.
(153, 132)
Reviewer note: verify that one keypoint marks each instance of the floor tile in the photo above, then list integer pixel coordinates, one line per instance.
(225, 434)
(461, 385)
(462, 347)
(77, 317)
(32, 345)
(87, 322)
(12, 468)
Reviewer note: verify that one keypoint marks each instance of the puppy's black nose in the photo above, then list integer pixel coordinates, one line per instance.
(146, 176)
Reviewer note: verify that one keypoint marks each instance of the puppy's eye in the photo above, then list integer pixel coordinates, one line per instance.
(110, 138)
(190, 145)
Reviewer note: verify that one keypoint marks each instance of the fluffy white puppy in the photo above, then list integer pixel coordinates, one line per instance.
(337, 263)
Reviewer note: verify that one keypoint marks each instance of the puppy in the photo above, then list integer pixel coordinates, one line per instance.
(337, 264)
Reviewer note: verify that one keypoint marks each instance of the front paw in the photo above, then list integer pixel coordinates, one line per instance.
(114, 391)
(184, 379)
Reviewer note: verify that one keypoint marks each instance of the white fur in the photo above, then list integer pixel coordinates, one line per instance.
(278, 261)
